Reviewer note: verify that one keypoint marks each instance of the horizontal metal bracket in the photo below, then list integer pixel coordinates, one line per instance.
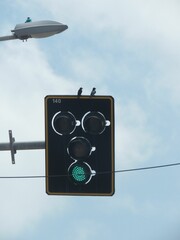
(14, 146)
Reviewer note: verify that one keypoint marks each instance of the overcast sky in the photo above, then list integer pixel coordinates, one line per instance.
(127, 49)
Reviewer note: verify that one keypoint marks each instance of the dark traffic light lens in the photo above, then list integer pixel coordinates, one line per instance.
(80, 173)
(79, 148)
(94, 123)
(64, 123)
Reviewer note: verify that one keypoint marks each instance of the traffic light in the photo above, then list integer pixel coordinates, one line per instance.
(79, 136)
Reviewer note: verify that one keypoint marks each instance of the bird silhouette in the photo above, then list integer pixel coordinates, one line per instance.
(79, 92)
(93, 92)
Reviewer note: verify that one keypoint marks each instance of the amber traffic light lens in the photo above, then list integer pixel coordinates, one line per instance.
(79, 148)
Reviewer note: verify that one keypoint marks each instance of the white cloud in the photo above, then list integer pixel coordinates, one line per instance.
(26, 78)
(139, 18)
(135, 143)
(141, 27)
(24, 204)
(150, 23)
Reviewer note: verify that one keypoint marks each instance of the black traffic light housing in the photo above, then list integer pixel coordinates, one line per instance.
(79, 136)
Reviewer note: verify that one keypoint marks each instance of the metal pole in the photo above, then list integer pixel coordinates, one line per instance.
(14, 146)
(22, 146)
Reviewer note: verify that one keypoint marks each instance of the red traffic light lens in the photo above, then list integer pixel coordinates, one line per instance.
(94, 123)
(64, 123)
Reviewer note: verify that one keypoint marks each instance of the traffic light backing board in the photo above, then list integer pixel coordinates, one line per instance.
(65, 174)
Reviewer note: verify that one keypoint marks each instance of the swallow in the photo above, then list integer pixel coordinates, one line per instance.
(93, 92)
(79, 92)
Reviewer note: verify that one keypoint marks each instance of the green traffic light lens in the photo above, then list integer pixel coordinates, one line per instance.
(79, 148)
(94, 123)
(64, 123)
(80, 173)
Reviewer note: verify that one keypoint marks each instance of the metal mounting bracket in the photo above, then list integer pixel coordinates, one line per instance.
(12, 149)
(14, 146)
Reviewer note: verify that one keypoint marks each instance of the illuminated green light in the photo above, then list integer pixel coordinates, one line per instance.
(79, 174)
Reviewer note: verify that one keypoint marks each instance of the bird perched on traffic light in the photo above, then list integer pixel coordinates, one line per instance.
(79, 92)
(93, 92)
